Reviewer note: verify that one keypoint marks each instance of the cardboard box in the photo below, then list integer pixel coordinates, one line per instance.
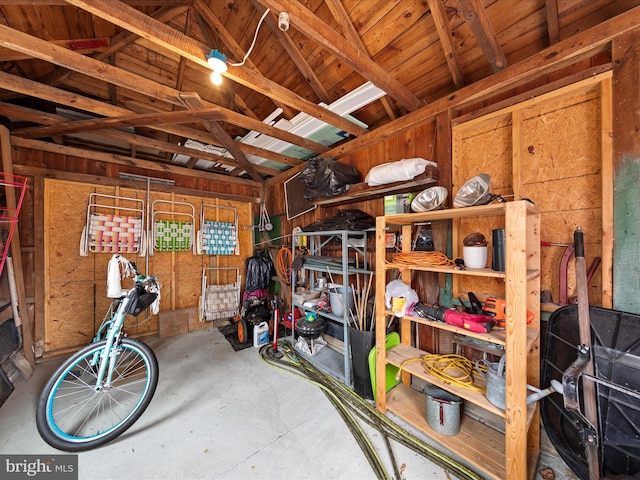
(400, 203)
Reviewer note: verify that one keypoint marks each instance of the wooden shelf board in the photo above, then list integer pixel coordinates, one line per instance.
(479, 445)
(493, 209)
(495, 336)
(474, 272)
(362, 191)
(400, 353)
(478, 272)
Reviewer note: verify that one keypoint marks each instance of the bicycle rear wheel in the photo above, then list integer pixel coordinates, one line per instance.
(73, 415)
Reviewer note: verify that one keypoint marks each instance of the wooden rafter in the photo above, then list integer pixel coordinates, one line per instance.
(446, 40)
(321, 33)
(118, 42)
(582, 45)
(117, 76)
(339, 13)
(85, 46)
(212, 22)
(553, 23)
(476, 16)
(296, 57)
(148, 28)
(193, 102)
(36, 116)
(45, 92)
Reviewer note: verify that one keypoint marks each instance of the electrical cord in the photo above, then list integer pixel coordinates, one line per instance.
(350, 405)
(255, 36)
(427, 259)
(283, 263)
(451, 369)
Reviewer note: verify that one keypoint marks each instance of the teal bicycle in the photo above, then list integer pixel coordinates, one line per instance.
(102, 390)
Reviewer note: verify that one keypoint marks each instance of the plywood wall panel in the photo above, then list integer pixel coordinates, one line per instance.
(561, 143)
(483, 148)
(75, 286)
(70, 316)
(554, 144)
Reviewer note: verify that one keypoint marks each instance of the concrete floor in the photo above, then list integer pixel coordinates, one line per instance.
(217, 414)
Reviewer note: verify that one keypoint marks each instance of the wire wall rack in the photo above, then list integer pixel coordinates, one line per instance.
(15, 187)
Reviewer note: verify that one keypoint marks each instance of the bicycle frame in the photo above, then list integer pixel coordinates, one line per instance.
(113, 323)
(114, 330)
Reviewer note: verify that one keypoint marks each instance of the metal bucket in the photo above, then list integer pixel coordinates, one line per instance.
(443, 410)
(496, 384)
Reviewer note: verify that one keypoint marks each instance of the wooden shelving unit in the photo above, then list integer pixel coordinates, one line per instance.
(513, 452)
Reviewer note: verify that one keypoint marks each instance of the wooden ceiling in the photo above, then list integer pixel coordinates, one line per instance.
(130, 78)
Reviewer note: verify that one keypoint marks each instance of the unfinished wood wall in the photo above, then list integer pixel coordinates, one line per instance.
(75, 286)
(554, 150)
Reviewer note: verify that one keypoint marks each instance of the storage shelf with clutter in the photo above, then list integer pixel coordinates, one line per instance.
(513, 428)
(376, 189)
(173, 225)
(218, 234)
(115, 224)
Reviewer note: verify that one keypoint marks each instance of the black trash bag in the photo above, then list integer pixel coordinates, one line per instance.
(258, 270)
(326, 177)
(351, 219)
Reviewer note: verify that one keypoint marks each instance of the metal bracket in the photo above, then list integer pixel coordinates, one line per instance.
(570, 379)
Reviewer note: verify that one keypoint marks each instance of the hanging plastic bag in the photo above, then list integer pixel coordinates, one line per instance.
(114, 287)
(259, 268)
(326, 177)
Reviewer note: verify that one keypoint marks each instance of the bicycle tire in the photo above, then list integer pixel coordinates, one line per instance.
(73, 416)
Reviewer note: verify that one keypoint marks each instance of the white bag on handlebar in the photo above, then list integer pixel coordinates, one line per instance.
(114, 287)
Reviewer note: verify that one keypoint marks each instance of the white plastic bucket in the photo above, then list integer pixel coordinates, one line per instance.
(336, 300)
(475, 256)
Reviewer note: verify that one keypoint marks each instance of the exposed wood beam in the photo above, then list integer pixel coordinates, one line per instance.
(108, 73)
(553, 23)
(339, 13)
(37, 116)
(155, 119)
(85, 46)
(308, 24)
(138, 120)
(296, 57)
(446, 41)
(476, 16)
(137, 3)
(237, 99)
(174, 41)
(118, 42)
(193, 102)
(72, 100)
(582, 45)
(127, 161)
(230, 43)
(182, 67)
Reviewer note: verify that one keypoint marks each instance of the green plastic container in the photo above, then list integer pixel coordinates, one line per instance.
(392, 340)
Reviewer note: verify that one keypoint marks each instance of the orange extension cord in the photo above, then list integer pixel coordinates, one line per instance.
(426, 259)
(283, 263)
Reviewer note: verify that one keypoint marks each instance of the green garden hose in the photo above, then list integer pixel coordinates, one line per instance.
(350, 405)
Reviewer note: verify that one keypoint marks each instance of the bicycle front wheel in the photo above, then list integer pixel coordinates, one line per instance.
(74, 414)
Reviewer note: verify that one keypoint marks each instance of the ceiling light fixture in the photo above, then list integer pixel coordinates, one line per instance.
(218, 61)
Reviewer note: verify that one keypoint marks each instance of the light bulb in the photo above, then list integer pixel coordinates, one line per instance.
(216, 78)
(218, 63)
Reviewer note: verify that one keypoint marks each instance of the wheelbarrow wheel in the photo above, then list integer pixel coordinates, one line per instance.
(243, 332)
